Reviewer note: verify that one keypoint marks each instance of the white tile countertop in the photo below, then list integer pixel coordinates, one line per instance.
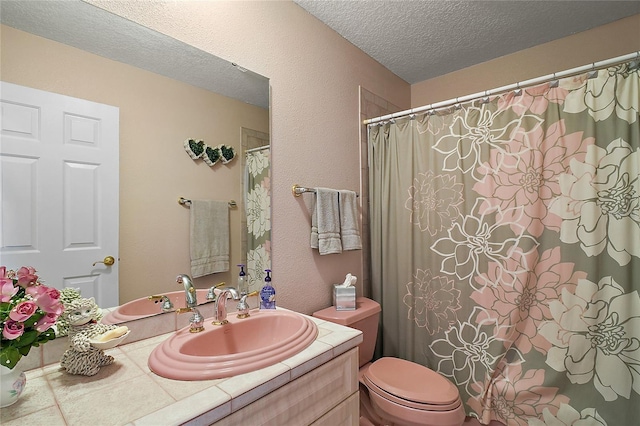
(128, 393)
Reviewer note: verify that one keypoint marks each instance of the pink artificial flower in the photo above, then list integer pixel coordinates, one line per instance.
(3, 276)
(12, 329)
(46, 322)
(47, 298)
(27, 276)
(7, 290)
(23, 311)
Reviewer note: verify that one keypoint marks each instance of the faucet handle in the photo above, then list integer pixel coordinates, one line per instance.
(196, 322)
(243, 306)
(167, 306)
(211, 295)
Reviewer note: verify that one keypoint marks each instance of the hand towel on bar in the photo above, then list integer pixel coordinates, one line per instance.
(325, 222)
(209, 237)
(349, 231)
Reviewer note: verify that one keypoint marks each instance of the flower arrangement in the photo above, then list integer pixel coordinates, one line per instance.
(28, 311)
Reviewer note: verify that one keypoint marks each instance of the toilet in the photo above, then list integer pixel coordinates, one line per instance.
(394, 391)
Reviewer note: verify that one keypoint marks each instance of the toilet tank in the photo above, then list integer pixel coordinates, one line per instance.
(364, 318)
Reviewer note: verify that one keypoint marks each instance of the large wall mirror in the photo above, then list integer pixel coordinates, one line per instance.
(166, 92)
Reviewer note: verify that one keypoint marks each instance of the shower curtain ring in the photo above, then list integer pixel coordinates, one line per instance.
(518, 90)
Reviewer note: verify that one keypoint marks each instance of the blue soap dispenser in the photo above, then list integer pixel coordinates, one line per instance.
(268, 293)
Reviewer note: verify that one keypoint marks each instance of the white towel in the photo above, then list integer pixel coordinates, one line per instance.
(325, 222)
(209, 237)
(349, 231)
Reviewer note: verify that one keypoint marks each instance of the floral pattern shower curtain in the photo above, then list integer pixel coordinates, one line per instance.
(506, 249)
(258, 210)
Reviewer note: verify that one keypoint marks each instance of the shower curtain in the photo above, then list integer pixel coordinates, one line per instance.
(505, 241)
(258, 211)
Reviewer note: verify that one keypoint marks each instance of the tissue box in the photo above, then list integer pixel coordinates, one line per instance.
(344, 298)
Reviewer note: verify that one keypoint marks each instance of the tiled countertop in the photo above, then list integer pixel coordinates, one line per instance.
(128, 393)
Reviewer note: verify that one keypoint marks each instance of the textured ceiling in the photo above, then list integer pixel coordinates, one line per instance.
(419, 40)
(416, 40)
(95, 30)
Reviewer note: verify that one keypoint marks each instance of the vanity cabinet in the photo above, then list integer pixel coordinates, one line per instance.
(327, 395)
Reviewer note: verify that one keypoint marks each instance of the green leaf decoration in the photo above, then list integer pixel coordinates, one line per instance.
(195, 148)
(211, 155)
(228, 153)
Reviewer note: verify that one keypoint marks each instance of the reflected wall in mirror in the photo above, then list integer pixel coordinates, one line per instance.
(158, 112)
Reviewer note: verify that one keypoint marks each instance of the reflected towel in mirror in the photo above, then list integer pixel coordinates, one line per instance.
(209, 237)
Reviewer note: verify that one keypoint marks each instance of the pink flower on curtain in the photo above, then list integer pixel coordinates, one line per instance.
(484, 236)
(475, 130)
(535, 99)
(526, 305)
(433, 201)
(530, 179)
(516, 396)
(612, 91)
(594, 336)
(569, 416)
(432, 301)
(600, 202)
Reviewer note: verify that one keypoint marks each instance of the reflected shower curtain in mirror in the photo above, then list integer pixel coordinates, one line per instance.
(505, 241)
(258, 210)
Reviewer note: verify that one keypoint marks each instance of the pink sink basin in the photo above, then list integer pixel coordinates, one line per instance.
(243, 345)
(144, 307)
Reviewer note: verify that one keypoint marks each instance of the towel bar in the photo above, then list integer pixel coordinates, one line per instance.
(298, 190)
(186, 202)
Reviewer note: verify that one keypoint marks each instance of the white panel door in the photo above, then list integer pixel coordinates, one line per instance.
(59, 189)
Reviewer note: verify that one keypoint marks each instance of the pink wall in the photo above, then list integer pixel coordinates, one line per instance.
(315, 123)
(315, 75)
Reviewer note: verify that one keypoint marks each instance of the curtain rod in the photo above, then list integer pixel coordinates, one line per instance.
(516, 86)
(260, 148)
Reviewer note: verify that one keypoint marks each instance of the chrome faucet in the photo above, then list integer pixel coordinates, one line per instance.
(211, 295)
(166, 306)
(196, 322)
(190, 295)
(221, 305)
(243, 306)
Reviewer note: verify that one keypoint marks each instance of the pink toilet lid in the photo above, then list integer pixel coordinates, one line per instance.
(413, 382)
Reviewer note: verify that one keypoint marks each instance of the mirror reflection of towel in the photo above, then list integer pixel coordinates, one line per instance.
(209, 237)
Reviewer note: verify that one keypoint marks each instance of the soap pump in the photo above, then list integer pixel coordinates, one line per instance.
(242, 285)
(268, 293)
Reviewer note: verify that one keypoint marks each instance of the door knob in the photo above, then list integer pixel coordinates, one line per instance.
(109, 260)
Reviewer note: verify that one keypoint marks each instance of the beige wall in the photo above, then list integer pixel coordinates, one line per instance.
(156, 115)
(598, 44)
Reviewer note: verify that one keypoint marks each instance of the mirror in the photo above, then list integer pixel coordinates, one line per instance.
(167, 92)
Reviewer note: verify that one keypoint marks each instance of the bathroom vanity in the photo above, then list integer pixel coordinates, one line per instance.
(318, 386)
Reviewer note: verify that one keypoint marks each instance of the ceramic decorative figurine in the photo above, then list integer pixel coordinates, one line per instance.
(88, 338)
